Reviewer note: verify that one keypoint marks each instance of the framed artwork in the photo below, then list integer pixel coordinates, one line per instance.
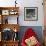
(30, 13)
(13, 12)
(5, 12)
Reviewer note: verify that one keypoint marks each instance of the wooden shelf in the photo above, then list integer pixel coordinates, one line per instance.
(4, 8)
(4, 13)
(9, 9)
(10, 43)
(11, 26)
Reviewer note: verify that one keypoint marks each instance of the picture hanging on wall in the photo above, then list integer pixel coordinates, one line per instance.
(30, 13)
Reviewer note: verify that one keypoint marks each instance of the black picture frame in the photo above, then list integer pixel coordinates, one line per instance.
(30, 13)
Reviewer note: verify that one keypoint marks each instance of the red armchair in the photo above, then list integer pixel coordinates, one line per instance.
(28, 34)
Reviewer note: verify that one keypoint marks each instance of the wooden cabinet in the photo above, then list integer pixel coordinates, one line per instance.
(7, 26)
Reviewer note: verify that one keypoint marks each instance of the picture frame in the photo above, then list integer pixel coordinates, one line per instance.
(30, 13)
(5, 12)
(13, 12)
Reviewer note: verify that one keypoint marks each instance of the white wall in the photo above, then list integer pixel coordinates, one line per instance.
(32, 3)
(26, 3)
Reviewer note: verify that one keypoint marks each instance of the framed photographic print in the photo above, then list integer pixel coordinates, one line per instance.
(30, 13)
(5, 12)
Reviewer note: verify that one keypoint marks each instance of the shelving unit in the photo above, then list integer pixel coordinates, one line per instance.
(5, 13)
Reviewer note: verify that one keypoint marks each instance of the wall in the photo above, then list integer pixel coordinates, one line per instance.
(36, 29)
(26, 3)
(32, 3)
